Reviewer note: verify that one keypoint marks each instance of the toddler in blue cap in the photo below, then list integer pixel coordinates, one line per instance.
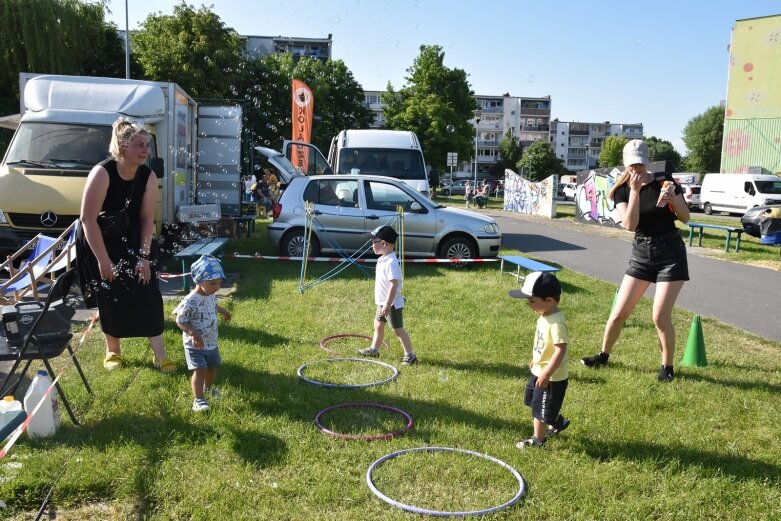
(196, 316)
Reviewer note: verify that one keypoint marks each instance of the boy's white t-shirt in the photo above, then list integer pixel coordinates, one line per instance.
(200, 311)
(388, 269)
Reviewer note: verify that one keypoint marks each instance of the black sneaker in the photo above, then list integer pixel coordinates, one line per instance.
(409, 359)
(599, 359)
(666, 374)
(560, 425)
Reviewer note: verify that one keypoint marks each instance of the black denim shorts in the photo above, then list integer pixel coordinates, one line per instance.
(659, 259)
(545, 402)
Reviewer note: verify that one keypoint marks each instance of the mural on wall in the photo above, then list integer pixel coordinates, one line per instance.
(527, 197)
(592, 204)
(752, 126)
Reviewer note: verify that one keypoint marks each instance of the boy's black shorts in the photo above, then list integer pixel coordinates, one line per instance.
(545, 402)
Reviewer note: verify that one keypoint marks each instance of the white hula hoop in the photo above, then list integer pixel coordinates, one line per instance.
(443, 513)
(348, 386)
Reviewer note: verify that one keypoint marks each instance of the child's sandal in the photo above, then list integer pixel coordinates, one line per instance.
(531, 442)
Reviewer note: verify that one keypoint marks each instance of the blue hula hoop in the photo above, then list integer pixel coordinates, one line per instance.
(348, 386)
(443, 513)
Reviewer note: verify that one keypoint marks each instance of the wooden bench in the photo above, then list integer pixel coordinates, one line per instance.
(729, 229)
(522, 262)
(207, 246)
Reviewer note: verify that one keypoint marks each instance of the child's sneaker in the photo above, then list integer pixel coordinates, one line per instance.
(531, 442)
(666, 374)
(200, 404)
(213, 391)
(409, 359)
(369, 351)
(555, 428)
(599, 359)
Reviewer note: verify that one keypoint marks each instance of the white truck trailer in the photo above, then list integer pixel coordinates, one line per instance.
(65, 129)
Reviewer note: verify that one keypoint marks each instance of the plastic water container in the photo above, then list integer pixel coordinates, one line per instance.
(8, 404)
(46, 421)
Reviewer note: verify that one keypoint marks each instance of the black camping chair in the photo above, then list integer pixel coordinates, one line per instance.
(48, 336)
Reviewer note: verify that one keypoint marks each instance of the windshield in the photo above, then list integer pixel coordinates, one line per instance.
(396, 163)
(769, 187)
(59, 145)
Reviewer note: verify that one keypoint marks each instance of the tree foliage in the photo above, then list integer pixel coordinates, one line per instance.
(436, 103)
(56, 37)
(510, 151)
(612, 153)
(192, 48)
(662, 150)
(703, 137)
(539, 161)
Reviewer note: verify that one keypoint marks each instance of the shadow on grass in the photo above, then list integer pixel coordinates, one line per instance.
(494, 369)
(661, 456)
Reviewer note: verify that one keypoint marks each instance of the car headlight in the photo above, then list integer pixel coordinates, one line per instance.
(751, 213)
(491, 228)
(3, 220)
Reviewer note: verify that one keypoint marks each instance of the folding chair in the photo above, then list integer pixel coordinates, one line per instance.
(25, 279)
(44, 340)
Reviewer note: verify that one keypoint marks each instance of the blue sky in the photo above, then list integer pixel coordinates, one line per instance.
(659, 63)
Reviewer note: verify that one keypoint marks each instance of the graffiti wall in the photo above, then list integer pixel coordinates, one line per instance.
(523, 196)
(592, 204)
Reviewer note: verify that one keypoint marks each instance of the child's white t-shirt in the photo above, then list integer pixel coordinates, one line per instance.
(388, 269)
(200, 311)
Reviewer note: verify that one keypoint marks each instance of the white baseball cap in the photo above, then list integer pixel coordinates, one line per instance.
(636, 152)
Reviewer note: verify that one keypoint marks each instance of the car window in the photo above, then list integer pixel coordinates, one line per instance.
(332, 192)
(385, 196)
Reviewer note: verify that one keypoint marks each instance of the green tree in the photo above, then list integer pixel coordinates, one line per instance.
(56, 37)
(539, 161)
(510, 151)
(703, 137)
(192, 48)
(662, 150)
(612, 153)
(436, 103)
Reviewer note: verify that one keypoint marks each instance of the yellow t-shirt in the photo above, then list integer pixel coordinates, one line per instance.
(551, 330)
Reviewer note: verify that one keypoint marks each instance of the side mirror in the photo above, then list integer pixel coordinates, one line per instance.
(158, 167)
(327, 171)
(415, 207)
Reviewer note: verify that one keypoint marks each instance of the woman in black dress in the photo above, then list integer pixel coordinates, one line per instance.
(648, 205)
(115, 272)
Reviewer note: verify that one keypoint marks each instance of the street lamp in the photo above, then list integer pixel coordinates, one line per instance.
(477, 133)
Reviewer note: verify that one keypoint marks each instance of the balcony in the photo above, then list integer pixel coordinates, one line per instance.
(534, 112)
(535, 128)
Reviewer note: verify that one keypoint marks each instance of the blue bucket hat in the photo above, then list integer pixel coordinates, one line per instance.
(206, 268)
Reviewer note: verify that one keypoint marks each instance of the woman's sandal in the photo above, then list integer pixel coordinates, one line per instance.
(112, 361)
(166, 365)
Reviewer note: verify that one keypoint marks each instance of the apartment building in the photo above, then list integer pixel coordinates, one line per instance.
(319, 48)
(579, 144)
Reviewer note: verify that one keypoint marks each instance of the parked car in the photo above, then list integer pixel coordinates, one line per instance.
(751, 218)
(455, 188)
(569, 191)
(691, 194)
(347, 208)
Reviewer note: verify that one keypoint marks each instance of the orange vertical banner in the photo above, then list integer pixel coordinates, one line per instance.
(303, 110)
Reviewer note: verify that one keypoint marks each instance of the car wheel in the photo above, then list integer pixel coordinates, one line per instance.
(446, 192)
(293, 245)
(457, 248)
(708, 209)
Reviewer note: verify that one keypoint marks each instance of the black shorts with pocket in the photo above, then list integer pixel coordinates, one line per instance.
(545, 402)
(395, 318)
(659, 259)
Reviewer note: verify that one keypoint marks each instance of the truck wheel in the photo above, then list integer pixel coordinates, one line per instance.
(293, 245)
(457, 248)
(708, 209)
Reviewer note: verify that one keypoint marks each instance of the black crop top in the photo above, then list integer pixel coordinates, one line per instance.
(654, 221)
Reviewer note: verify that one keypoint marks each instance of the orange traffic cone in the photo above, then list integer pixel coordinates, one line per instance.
(695, 346)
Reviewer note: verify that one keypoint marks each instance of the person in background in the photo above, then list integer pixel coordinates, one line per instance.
(468, 193)
(116, 272)
(648, 205)
(262, 194)
(273, 183)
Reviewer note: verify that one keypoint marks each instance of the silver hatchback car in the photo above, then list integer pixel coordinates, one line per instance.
(348, 207)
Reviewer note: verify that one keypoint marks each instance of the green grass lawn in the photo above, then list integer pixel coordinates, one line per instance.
(707, 446)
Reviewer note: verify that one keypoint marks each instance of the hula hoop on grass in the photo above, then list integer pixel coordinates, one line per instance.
(327, 339)
(371, 437)
(348, 386)
(443, 513)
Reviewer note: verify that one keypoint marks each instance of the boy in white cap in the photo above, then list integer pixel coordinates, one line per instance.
(547, 384)
(387, 295)
(196, 316)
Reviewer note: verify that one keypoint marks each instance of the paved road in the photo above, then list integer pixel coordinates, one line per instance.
(744, 296)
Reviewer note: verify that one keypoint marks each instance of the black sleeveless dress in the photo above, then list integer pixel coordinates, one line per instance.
(127, 308)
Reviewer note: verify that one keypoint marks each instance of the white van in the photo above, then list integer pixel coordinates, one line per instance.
(389, 153)
(736, 193)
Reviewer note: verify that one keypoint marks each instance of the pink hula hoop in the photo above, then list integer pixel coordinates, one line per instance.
(370, 437)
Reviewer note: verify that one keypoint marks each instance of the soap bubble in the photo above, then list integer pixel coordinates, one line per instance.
(450, 129)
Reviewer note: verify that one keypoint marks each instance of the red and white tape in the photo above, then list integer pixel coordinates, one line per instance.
(339, 259)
